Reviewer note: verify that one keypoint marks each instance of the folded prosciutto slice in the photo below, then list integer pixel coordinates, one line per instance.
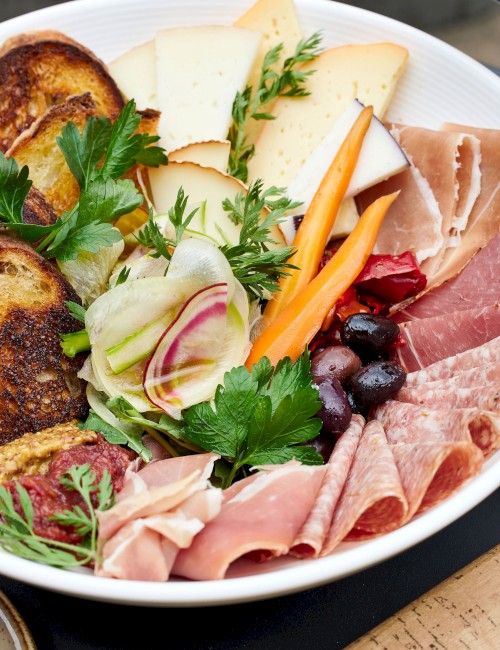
(485, 357)
(263, 514)
(309, 541)
(409, 423)
(159, 511)
(372, 501)
(433, 339)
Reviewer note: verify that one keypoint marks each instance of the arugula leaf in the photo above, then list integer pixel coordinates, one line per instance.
(258, 268)
(123, 275)
(16, 529)
(249, 105)
(124, 436)
(256, 418)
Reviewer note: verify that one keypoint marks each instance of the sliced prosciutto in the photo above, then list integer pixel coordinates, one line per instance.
(261, 517)
(485, 356)
(311, 537)
(159, 511)
(482, 397)
(433, 339)
(409, 423)
(372, 501)
(431, 471)
(476, 286)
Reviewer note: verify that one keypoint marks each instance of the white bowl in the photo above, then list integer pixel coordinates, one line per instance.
(440, 84)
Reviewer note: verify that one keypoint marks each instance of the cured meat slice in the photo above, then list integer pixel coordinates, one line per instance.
(483, 397)
(484, 376)
(433, 339)
(309, 541)
(263, 516)
(450, 164)
(409, 423)
(413, 222)
(173, 469)
(431, 471)
(480, 357)
(461, 292)
(372, 501)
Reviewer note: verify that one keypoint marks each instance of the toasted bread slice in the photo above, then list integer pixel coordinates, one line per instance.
(37, 148)
(42, 69)
(37, 210)
(33, 452)
(39, 386)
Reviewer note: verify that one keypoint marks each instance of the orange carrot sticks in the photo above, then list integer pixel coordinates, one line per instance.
(312, 235)
(297, 324)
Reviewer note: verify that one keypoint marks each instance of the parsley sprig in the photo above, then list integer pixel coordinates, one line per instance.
(253, 263)
(18, 536)
(104, 196)
(249, 105)
(259, 417)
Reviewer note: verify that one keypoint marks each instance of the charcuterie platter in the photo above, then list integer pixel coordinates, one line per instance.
(364, 271)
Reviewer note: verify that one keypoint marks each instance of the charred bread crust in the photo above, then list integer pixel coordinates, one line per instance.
(37, 147)
(39, 387)
(41, 69)
(37, 210)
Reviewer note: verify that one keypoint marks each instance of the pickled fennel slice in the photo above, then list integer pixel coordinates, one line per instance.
(208, 338)
(127, 321)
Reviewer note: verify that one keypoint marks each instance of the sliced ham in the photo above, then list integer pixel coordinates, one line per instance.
(311, 537)
(264, 515)
(485, 356)
(433, 339)
(461, 292)
(483, 397)
(431, 471)
(409, 423)
(372, 501)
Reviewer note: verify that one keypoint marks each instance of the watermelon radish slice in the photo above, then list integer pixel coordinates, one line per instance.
(207, 338)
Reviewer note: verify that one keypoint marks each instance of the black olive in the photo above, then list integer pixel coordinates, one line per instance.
(323, 445)
(376, 383)
(368, 335)
(337, 362)
(335, 413)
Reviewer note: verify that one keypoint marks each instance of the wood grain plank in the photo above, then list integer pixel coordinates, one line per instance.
(463, 612)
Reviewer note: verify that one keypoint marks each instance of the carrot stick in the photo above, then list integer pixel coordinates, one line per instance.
(296, 325)
(312, 235)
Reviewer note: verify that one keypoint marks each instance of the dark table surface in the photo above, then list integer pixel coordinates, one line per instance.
(327, 617)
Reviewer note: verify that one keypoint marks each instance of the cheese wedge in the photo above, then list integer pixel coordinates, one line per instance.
(278, 22)
(380, 158)
(135, 75)
(199, 71)
(206, 188)
(208, 154)
(342, 74)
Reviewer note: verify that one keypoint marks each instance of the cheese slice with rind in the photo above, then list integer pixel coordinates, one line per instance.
(209, 154)
(342, 74)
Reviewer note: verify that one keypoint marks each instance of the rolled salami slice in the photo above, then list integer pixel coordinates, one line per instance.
(431, 471)
(486, 375)
(409, 423)
(309, 541)
(372, 501)
(474, 358)
(483, 397)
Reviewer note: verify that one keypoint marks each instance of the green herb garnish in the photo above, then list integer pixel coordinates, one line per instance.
(259, 417)
(128, 436)
(250, 105)
(16, 530)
